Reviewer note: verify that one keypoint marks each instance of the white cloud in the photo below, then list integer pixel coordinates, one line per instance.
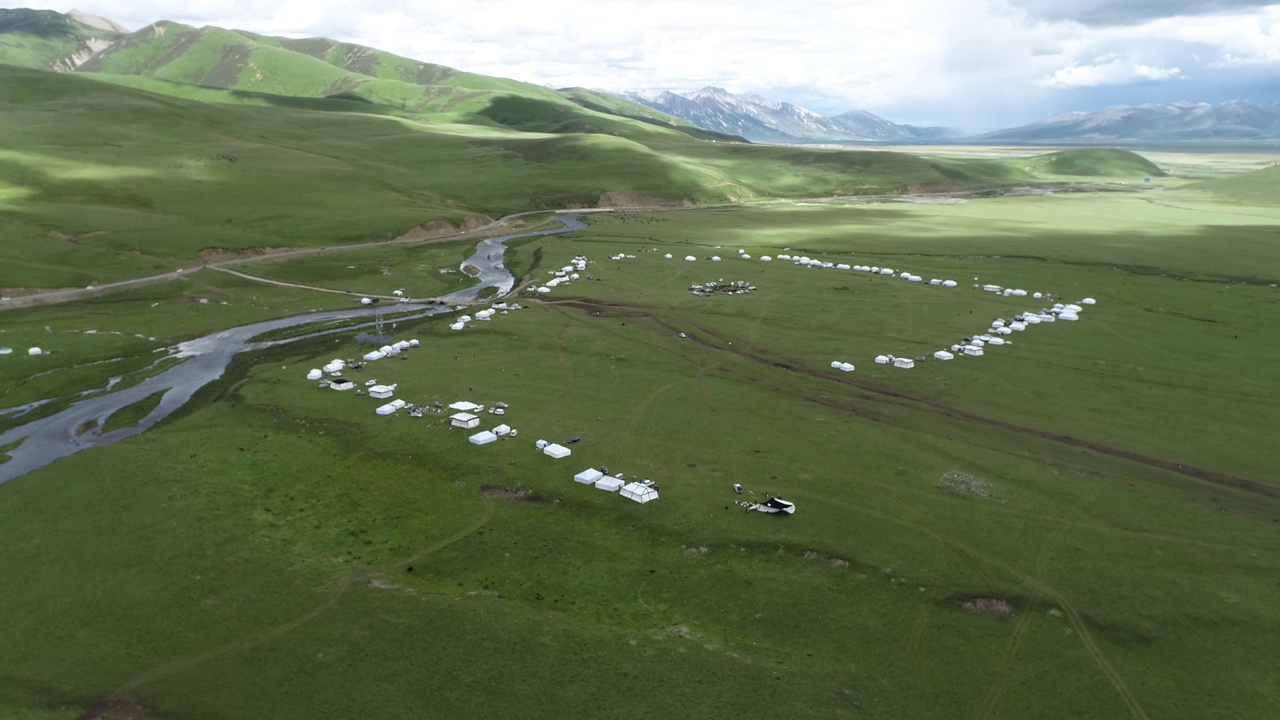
(1117, 71)
(960, 61)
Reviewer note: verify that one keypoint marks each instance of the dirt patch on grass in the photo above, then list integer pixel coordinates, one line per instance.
(75, 238)
(440, 228)
(993, 605)
(116, 710)
(218, 254)
(13, 292)
(515, 495)
(631, 199)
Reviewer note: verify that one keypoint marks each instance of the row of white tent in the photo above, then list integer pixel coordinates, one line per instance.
(841, 366)
(636, 491)
(391, 350)
(994, 337)
(483, 316)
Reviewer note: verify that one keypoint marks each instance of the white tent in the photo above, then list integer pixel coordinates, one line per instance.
(464, 420)
(690, 258)
(540, 444)
(882, 359)
(904, 363)
(973, 351)
(457, 326)
(482, 438)
(341, 384)
(846, 367)
(715, 258)
(609, 484)
(1069, 316)
(390, 407)
(374, 356)
(315, 374)
(667, 256)
(943, 355)
(1017, 326)
(639, 492)
(948, 283)
(464, 406)
(842, 266)
(835, 364)
(746, 256)
(414, 343)
(556, 451)
(1003, 331)
(381, 392)
(335, 366)
(1037, 296)
(995, 341)
(1088, 301)
(765, 258)
(366, 301)
(588, 476)
(502, 430)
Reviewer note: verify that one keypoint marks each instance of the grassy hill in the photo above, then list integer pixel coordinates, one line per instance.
(1261, 187)
(102, 182)
(1091, 162)
(48, 40)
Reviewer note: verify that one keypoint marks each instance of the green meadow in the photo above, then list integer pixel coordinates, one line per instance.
(1079, 524)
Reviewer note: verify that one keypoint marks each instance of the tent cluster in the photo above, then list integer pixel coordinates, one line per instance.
(898, 362)
(568, 273)
(706, 289)
(1009, 292)
(485, 315)
(485, 437)
(620, 256)
(391, 350)
(841, 366)
(641, 491)
(995, 336)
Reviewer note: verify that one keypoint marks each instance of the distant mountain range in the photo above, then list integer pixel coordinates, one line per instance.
(760, 119)
(1180, 122)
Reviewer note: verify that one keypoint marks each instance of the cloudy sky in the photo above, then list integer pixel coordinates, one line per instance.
(969, 63)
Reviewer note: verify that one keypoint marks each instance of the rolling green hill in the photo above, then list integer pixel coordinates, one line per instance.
(1257, 187)
(48, 40)
(102, 182)
(1091, 162)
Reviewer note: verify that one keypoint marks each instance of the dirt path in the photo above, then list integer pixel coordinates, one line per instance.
(299, 286)
(725, 344)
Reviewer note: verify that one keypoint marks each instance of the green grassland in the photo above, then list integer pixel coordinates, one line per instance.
(43, 39)
(298, 555)
(102, 182)
(1260, 187)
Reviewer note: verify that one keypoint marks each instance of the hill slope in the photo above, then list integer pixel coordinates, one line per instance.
(105, 182)
(1260, 187)
(48, 40)
(1092, 162)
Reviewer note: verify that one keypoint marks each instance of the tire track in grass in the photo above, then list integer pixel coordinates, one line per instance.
(1001, 684)
(970, 556)
(166, 675)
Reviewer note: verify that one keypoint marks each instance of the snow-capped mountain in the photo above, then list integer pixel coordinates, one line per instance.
(1238, 121)
(764, 120)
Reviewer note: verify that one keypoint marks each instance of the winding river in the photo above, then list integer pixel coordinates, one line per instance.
(205, 359)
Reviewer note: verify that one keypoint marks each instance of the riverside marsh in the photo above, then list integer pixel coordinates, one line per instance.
(273, 545)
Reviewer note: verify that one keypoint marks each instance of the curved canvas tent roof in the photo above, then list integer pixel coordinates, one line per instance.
(776, 506)
(482, 438)
(1088, 301)
(948, 283)
(609, 484)
(639, 492)
(882, 359)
